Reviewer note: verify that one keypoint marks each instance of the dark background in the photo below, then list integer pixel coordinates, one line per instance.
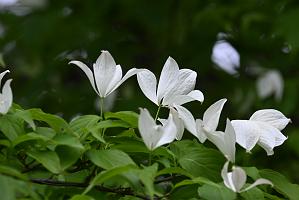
(38, 38)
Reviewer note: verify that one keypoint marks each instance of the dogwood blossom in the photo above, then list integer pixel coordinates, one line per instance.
(155, 135)
(6, 94)
(106, 76)
(236, 179)
(263, 128)
(225, 56)
(176, 86)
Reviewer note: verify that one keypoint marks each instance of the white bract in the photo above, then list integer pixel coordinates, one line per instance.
(270, 83)
(6, 94)
(236, 179)
(155, 135)
(106, 75)
(263, 128)
(225, 56)
(176, 86)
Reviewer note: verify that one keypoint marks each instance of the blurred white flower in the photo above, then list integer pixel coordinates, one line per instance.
(6, 94)
(236, 179)
(263, 128)
(270, 83)
(106, 76)
(225, 56)
(175, 86)
(155, 135)
(8, 2)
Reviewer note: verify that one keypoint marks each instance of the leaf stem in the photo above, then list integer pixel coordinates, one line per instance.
(150, 158)
(157, 114)
(102, 107)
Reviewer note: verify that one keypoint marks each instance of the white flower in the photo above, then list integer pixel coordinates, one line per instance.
(106, 75)
(155, 135)
(270, 83)
(5, 95)
(175, 86)
(236, 179)
(262, 128)
(225, 56)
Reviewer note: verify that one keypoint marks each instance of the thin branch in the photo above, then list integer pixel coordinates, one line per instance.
(121, 191)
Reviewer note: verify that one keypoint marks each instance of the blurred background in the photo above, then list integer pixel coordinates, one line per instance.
(261, 51)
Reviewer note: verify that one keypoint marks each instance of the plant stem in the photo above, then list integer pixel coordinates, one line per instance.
(157, 114)
(150, 158)
(102, 107)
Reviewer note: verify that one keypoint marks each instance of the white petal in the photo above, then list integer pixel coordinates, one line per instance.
(225, 142)
(169, 77)
(104, 70)
(238, 178)
(146, 126)
(148, 85)
(167, 133)
(227, 179)
(226, 56)
(178, 123)
(88, 73)
(260, 181)
(182, 86)
(212, 114)
(115, 80)
(200, 131)
(194, 95)
(3, 74)
(270, 83)
(272, 117)
(6, 97)
(188, 119)
(247, 133)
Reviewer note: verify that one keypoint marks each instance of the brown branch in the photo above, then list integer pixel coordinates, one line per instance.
(121, 191)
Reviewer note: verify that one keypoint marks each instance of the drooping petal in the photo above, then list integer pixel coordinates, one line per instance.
(148, 85)
(115, 80)
(146, 125)
(212, 114)
(88, 73)
(169, 77)
(227, 178)
(3, 74)
(183, 85)
(260, 181)
(6, 97)
(104, 70)
(200, 131)
(187, 118)
(272, 117)
(247, 133)
(238, 178)
(194, 95)
(226, 56)
(179, 124)
(167, 133)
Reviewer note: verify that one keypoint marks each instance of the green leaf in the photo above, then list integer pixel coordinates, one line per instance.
(7, 189)
(253, 194)
(82, 197)
(67, 155)
(6, 170)
(108, 174)
(129, 144)
(113, 124)
(174, 170)
(48, 159)
(67, 140)
(219, 192)
(82, 124)
(281, 184)
(127, 116)
(55, 122)
(11, 126)
(29, 137)
(198, 160)
(108, 159)
(26, 116)
(147, 176)
(197, 180)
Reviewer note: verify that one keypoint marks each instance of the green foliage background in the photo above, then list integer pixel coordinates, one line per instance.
(37, 47)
